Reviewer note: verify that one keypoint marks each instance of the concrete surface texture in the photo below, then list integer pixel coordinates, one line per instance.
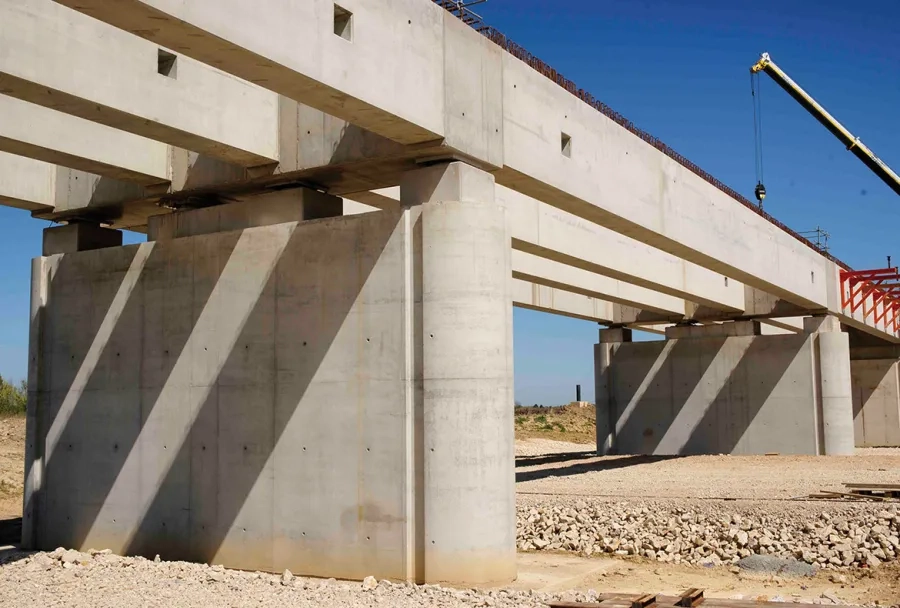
(411, 73)
(331, 396)
(731, 391)
(53, 60)
(876, 402)
(284, 379)
(25, 183)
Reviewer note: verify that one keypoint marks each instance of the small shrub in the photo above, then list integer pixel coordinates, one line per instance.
(561, 428)
(12, 398)
(541, 419)
(520, 420)
(547, 427)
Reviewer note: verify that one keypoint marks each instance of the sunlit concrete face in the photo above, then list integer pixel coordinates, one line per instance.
(724, 389)
(330, 396)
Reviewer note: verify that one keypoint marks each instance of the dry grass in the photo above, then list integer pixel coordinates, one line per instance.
(566, 423)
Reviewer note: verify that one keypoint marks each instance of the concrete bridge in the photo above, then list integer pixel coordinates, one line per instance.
(309, 363)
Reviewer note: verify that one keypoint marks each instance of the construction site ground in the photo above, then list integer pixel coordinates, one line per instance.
(550, 472)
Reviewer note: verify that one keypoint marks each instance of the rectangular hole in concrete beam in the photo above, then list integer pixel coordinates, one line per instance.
(566, 145)
(343, 22)
(166, 63)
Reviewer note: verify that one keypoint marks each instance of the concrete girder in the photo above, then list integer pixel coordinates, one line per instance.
(556, 301)
(546, 272)
(545, 232)
(790, 324)
(52, 58)
(641, 193)
(26, 183)
(55, 137)
(415, 43)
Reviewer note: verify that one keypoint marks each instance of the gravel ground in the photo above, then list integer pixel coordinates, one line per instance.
(712, 533)
(540, 447)
(99, 580)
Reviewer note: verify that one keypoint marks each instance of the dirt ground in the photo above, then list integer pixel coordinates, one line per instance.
(567, 423)
(563, 468)
(546, 467)
(557, 572)
(12, 466)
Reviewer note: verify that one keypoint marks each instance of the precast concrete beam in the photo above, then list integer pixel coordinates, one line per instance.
(55, 137)
(62, 59)
(568, 304)
(442, 75)
(612, 177)
(644, 277)
(26, 183)
(641, 193)
(526, 294)
(546, 231)
(546, 272)
(790, 324)
(62, 194)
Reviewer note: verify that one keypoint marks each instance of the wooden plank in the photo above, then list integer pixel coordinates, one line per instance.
(643, 601)
(691, 598)
(854, 495)
(874, 486)
(622, 600)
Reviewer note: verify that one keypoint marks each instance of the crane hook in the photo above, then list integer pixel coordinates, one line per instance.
(760, 192)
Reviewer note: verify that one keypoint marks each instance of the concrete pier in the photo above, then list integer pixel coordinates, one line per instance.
(876, 402)
(332, 396)
(725, 388)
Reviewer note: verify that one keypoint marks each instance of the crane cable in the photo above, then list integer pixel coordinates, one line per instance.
(756, 94)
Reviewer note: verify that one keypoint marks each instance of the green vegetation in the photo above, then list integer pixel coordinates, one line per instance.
(566, 423)
(12, 398)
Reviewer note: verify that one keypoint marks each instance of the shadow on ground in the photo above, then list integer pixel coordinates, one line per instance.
(10, 535)
(572, 464)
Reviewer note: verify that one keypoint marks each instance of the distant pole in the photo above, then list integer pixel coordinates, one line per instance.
(577, 392)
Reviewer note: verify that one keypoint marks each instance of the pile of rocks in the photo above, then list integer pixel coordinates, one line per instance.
(710, 535)
(99, 578)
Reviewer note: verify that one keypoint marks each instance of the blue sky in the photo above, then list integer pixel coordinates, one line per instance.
(680, 71)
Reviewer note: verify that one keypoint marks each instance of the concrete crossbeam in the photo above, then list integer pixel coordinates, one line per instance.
(61, 59)
(55, 137)
(26, 183)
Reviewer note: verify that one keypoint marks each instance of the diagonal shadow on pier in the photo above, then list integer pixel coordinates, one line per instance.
(211, 353)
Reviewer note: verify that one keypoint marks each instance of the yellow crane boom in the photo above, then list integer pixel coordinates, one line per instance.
(854, 145)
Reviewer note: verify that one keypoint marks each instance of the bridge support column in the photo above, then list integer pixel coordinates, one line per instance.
(463, 321)
(605, 413)
(833, 358)
(265, 392)
(725, 388)
(876, 402)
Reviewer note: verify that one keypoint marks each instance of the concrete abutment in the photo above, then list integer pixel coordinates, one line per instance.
(725, 389)
(330, 396)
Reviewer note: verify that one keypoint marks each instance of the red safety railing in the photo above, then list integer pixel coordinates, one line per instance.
(875, 293)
